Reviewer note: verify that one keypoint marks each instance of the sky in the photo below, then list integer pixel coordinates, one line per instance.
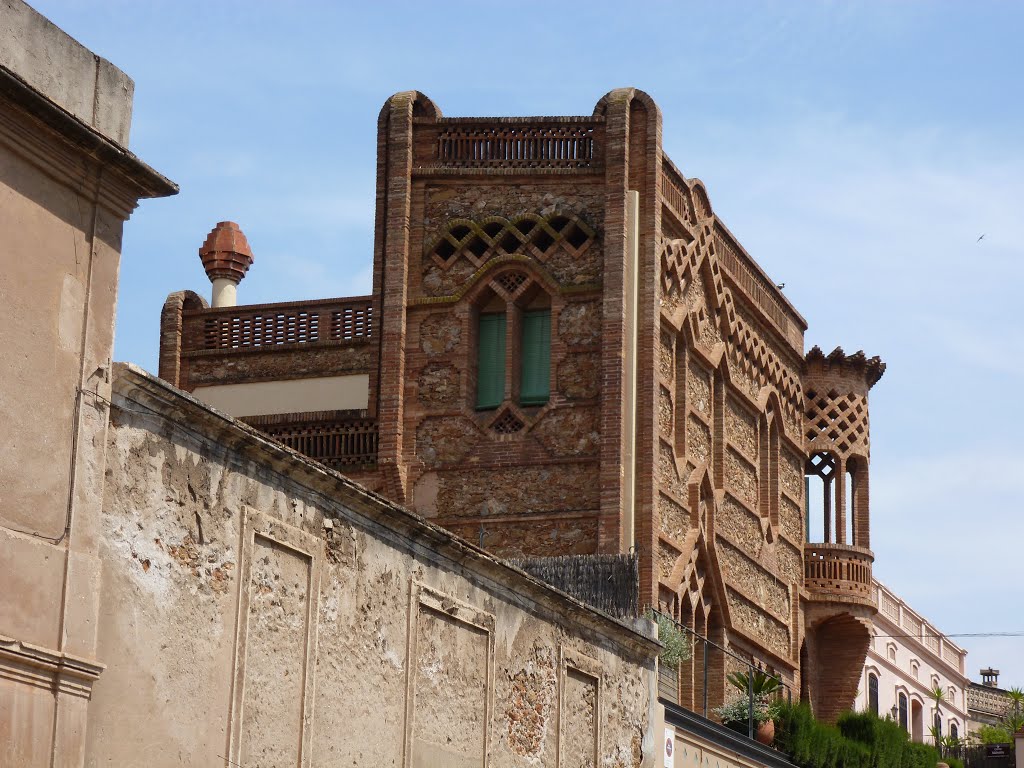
(858, 150)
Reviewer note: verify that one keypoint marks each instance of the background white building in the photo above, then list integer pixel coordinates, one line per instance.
(907, 659)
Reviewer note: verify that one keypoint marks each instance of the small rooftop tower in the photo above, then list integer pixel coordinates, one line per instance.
(226, 258)
(990, 677)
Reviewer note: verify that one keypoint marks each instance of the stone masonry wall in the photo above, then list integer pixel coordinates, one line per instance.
(520, 480)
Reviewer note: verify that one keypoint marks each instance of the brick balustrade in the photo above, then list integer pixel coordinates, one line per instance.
(290, 340)
(267, 325)
(339, 439)
(838, 571)
(526, 143)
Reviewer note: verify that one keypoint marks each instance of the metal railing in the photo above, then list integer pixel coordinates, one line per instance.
(705, 649)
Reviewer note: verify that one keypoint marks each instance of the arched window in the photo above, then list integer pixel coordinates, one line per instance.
(513, 299)
(820, 475)
(917, 729)
(768, 448)
(490, 376)
(873, 694)
(535, 357)
(954, 732)
(904, 722)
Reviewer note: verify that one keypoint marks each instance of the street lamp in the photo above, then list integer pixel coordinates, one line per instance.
(893, 712)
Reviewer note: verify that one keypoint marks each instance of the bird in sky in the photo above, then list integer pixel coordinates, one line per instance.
(980, 239)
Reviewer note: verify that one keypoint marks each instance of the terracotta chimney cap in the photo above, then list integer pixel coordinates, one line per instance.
(226, 253)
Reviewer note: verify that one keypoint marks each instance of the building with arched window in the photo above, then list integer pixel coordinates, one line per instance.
(568, 353)
(907, 660)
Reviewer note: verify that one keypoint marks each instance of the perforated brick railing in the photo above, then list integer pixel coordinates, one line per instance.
(838, 570)
(267, 325)
(333, 438)
(567, 143)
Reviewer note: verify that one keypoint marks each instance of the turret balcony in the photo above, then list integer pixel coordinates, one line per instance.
(838, 573)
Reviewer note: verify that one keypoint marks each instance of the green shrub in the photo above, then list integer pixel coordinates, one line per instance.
(858, 740)
(994, 734)
(953, 762)
(676, 643)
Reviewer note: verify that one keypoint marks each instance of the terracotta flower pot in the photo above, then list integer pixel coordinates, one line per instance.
(766, 732)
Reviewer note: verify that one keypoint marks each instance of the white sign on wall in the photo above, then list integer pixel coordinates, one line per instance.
(670, 747)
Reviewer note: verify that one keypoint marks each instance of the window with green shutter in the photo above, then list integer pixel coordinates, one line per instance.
(534, 383)
(490, 373)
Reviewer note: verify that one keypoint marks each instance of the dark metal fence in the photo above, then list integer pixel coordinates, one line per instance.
(983, 756)
(609, 583)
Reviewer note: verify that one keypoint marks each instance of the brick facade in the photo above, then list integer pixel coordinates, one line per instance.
(728, 414)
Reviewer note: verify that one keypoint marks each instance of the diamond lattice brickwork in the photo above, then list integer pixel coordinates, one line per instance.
(529, 234)
(836, 421)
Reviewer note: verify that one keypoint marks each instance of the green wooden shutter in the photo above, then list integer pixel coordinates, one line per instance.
(490, 374)
(534, 385)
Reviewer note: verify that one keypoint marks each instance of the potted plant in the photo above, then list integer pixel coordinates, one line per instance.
(763, 686)
(736, 715)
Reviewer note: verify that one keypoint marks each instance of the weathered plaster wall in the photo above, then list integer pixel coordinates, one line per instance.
(257, 606)
(66, 188)
(52, 62)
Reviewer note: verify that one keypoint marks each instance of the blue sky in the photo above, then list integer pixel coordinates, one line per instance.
(857, 149)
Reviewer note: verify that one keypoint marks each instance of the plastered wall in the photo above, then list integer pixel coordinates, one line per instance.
(258, 607)
(323, 393)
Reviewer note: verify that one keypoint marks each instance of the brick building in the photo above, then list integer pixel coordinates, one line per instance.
(567, 352)
(987, 703)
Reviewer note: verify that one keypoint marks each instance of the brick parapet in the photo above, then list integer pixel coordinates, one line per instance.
(172, 366)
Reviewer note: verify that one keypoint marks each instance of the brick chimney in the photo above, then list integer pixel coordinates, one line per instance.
(990, 677)
(226, 258)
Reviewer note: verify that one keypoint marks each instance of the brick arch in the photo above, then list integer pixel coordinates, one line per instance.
(701, 201)
(490, 279)
(416, 103)
(171, 328)
(627, 96)
(702, 609)
(836, 648)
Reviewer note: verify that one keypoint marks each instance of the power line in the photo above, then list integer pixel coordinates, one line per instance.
(959, 634)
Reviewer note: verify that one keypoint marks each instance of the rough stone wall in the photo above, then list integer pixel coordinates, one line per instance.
(247, 591)
(273, 365)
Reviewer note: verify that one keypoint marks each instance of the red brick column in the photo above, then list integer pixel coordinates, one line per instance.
(390, 277)
(172, 368)
(632, 161)
(615, 108)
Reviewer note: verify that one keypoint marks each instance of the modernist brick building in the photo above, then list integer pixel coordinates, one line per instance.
(567, 352)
